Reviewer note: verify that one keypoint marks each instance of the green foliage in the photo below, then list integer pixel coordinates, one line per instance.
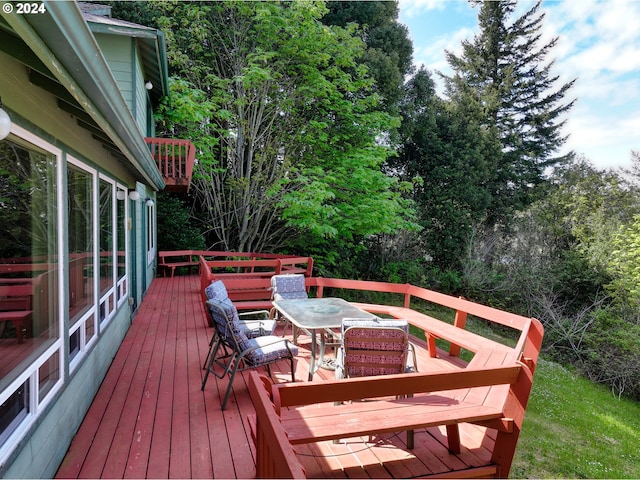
(285, 119)
(388, 55)
(612, 352)
(624, 264)
(175, 227)
(452, 156)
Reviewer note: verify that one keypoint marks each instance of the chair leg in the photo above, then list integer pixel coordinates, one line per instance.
(216, 340)
(228, 392)
(293, 370)
(206, 374)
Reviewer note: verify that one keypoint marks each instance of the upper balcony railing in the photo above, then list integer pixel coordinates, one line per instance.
(175, 159)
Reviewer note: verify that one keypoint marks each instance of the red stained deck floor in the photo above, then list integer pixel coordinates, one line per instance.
(151, 420)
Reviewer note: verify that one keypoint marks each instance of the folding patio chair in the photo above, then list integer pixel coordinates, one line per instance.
(239, 352)
(251, 327)
(373, 347)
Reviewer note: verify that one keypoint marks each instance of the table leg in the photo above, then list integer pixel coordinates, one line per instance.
(312, 367)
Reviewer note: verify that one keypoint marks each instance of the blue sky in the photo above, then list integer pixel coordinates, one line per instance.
(599, 44)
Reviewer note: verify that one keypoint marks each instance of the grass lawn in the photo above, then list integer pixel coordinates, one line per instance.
(576, 429)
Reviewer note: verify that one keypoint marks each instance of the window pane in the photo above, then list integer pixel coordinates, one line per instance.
(81, 275)
(13, 411)
(49, 374)
(106, 237)
(28, 257)
(122, 259)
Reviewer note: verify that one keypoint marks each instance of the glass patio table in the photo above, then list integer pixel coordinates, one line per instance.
(318, 314)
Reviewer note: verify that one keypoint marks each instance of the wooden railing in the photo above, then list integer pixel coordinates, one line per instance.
(175, 159)
(506, 400)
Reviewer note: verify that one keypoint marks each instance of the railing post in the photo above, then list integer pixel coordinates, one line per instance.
(459, 321)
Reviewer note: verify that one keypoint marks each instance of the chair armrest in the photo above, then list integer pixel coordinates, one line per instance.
(255, 312)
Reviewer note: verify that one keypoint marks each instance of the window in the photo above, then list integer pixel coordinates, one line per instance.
(32, 215)
(151, 241)
(81, 268)
(107, 249)
(30, 342)
(121, 246)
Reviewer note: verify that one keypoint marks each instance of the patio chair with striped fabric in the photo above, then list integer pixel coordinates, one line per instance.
(373, 347)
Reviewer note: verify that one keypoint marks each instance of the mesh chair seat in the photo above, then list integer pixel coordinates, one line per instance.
(375, 346)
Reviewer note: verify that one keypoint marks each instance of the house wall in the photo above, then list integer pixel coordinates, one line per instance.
(119, 51)
(142, 99)
(40, 109)
(41, 453)
(41, 448)
(123, 58)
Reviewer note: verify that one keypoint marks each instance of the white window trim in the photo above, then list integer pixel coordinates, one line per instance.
(91, 315)
(125, 279)
(31, 373)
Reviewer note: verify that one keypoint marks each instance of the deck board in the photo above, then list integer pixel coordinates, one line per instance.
(151, 420)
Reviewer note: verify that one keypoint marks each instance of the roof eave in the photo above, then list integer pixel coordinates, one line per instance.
(63, 41)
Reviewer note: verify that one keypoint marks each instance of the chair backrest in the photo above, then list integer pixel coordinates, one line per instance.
(288, 286)
(227, 324)
(216, 291)
(374, 346)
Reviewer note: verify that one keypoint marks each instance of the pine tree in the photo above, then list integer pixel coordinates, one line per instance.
(506, 71)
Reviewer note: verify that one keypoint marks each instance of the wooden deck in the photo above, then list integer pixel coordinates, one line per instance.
(151, 420)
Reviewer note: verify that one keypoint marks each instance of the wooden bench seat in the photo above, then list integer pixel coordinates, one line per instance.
(15, 307)
(434, 328)
(170, 260)
(491, 391)
(456, 403)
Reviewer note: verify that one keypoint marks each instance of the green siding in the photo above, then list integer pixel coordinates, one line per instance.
(41, 455)
(140, 113)
(117, 51)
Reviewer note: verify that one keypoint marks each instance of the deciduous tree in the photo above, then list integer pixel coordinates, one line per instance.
(286, 121)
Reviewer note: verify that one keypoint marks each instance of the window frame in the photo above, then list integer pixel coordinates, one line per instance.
(30, 374)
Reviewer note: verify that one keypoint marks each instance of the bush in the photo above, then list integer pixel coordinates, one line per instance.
(175, 228)
(612, 352)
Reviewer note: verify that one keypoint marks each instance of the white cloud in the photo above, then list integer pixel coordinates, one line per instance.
(412, 8)
(599, 44)
(432, 55)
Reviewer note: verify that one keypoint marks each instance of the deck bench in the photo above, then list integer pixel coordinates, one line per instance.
(170, 260)
(307, 412)
(16, 307)
(492, 390)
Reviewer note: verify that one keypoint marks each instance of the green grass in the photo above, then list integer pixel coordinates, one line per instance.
(574, 428)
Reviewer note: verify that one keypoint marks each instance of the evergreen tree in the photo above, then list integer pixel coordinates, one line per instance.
(506, 72)
(444, 145)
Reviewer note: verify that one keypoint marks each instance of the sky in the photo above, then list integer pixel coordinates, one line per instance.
(599, 45)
